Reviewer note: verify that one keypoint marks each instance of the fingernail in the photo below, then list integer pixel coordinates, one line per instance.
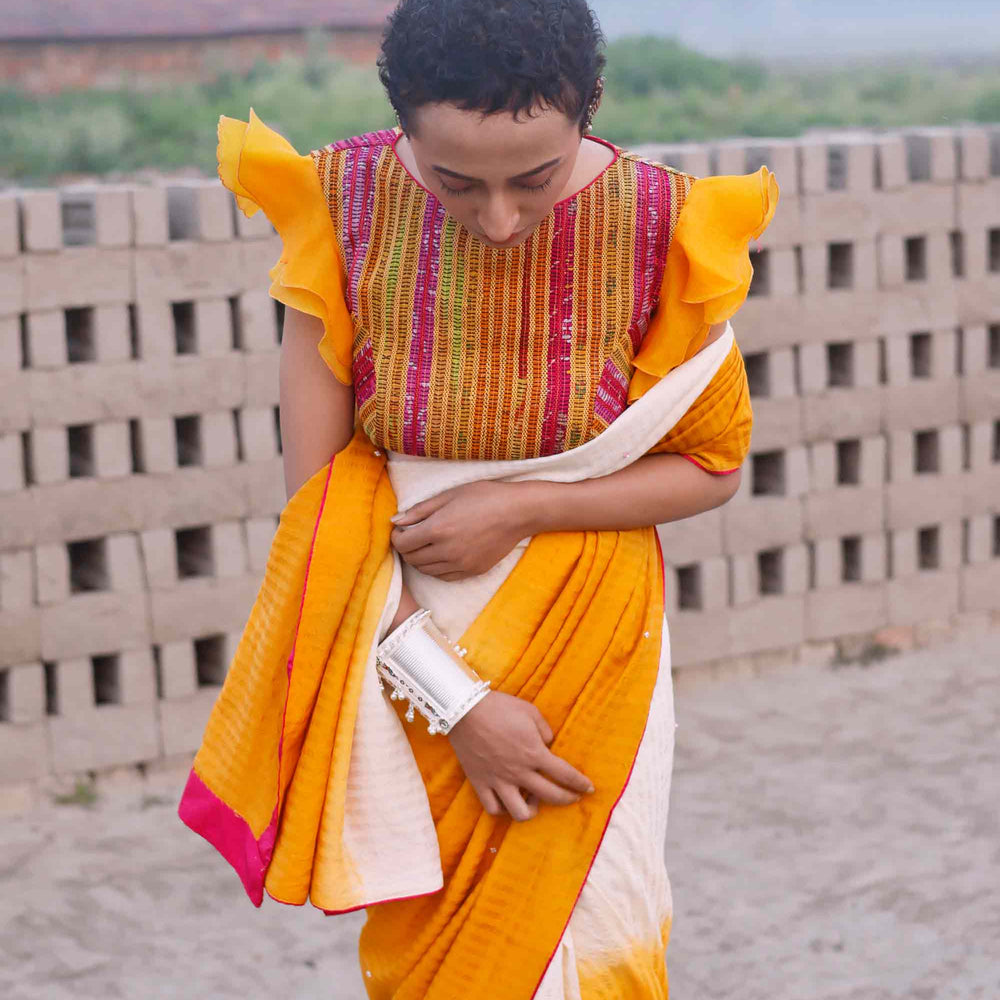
(590, 789)
(396, 518)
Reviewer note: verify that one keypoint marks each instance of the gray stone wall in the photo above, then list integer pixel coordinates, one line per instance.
(140, 467)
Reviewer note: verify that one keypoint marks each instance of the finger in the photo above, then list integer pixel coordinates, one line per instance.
(548, 791)
(442, 570)
(409, 539)
(564, 773)
(420, 511)
(414, 514)
(430, 558)
(544, 729)
(489, 800)
(519, 810)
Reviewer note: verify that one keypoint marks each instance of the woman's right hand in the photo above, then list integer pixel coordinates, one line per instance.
(502, 745)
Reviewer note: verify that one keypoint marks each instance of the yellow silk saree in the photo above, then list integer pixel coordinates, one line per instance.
(314, 788)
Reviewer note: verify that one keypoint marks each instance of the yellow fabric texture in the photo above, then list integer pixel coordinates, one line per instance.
(640, 973)
(576, 629)
(333, 533)
(715, 431)
(708, 270)
(705, 281)
(264, 171)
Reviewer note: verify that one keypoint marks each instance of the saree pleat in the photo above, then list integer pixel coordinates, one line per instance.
(285, 716)
(576, 629)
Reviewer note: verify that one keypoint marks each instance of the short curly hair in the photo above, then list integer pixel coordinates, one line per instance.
(491, 56)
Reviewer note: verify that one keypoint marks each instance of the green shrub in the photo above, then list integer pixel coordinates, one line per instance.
(658, 91)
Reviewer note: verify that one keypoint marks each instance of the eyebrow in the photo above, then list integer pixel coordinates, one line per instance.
(518, 177)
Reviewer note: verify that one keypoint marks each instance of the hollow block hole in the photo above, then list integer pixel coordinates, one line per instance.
(88, 565)
(210, 660)
(194, 552)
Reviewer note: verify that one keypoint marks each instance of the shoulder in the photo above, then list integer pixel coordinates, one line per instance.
(348, 160)
(734, 206)
(370, 142)
(658, 191)
(658, 174)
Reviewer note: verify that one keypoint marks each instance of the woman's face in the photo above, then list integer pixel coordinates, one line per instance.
(497, 176)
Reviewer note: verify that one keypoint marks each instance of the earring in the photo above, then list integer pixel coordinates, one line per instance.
(595, 103)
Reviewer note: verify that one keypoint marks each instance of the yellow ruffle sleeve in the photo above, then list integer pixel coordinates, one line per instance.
(265, 172)
(708, 270)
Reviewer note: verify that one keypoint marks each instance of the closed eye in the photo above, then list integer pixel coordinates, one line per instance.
(455, 191)
(458, 192)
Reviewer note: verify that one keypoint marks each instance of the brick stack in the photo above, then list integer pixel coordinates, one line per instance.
(871, 500)
(140, 468)
(140, 474)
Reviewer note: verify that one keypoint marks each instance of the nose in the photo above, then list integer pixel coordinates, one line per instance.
(499, 220)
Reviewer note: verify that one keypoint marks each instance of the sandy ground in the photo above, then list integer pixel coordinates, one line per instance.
(834, 835)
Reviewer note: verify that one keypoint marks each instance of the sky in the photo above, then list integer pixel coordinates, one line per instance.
(785, 28)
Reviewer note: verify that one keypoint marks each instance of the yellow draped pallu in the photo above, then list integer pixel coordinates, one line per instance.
(307, 779)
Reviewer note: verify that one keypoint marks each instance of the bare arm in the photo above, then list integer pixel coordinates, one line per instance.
(655, 489)
(317, 410)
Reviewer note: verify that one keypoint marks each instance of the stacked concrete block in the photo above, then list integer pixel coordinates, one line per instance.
(696, 587)
(141, 477)
(126, 419)
(872, 340)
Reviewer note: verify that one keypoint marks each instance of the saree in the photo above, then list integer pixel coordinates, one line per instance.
(314, 788)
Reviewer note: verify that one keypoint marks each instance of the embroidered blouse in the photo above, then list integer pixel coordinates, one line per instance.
(463, 350)
(459, 350)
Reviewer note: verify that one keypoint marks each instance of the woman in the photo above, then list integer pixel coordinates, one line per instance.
(530, 327)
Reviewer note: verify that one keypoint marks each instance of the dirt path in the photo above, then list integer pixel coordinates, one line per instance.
(834, 835)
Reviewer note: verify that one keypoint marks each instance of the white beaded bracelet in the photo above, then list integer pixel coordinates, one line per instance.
(420, 663)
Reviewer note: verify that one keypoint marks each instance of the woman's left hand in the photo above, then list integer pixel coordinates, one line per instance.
(462, 532)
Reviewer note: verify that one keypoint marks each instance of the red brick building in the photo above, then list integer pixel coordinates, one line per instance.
(51, 45)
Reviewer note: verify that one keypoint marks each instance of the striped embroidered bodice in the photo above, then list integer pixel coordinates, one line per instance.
(469, 352)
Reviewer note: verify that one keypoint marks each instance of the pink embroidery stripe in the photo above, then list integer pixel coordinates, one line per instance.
(355, 215)
(661, 245)
(652, 238)
(557, 371)
(418, 376)
(381, 137)
(364, 374)
(612, 393)
(640, 268)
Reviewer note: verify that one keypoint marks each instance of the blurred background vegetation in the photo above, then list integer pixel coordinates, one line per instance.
(658, 91)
